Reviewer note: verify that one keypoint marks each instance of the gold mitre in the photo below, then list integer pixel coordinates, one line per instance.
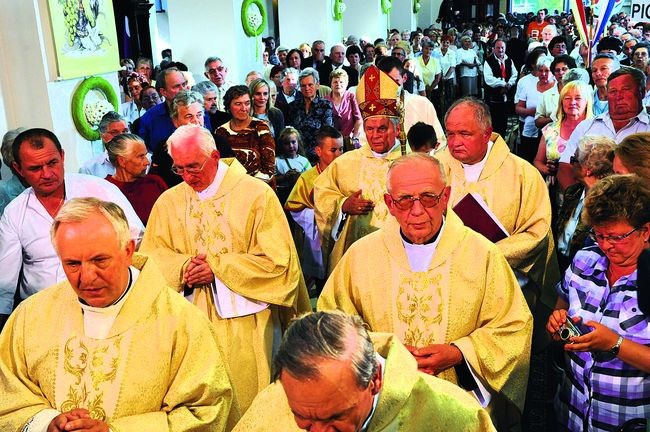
(377, 94)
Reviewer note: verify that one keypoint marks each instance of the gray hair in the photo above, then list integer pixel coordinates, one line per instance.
(290, 70)
(7, 144)
(210, 60)
(326, 335)
(481, 110)
(110, 117)
(576, 74)
(192, 134)
(543, 60)
(119, 146)
(594, 154)
(80, 209)
(309, 72)
(616, 64)
(204, 87)
(185, 98)
(415, 157)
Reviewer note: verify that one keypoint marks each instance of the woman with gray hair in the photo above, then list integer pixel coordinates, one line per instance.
(468, 64)
(10, 189)
(128, 154)
(590, 164)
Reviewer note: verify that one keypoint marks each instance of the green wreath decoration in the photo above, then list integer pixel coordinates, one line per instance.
(416, 6)
(386, 6)
(339, 8)
(251, 22)
(84, 127)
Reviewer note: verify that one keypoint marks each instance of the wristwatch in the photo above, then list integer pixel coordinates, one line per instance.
(617, 346)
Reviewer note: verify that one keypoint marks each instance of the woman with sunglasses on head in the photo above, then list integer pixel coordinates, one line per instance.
(605, 384)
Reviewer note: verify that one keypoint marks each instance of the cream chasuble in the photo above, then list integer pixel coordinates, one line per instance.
(358, 169)
(516, 193)
(159, 367)
(409, 401)
(468, 296)
(244, 233)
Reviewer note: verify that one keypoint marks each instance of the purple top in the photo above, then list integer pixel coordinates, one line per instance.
(346, 114)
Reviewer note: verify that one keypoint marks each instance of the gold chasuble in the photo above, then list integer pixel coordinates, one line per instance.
(159, 368)
(354, 170)
(302, 194)
(516, 193)
(468, 297)
(243, 231)
(409, 401)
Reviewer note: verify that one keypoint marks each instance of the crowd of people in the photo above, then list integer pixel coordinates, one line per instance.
(466, 206)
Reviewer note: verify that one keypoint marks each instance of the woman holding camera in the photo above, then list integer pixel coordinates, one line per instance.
(604, 384)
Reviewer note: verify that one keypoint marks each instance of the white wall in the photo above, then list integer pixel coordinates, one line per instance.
(428, 13)
(401, 15)
(306, 21)
(364, 18)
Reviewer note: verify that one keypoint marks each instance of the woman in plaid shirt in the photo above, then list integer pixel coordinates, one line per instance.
(604, 385)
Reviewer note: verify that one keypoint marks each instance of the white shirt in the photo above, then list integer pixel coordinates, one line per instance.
(98, 166)
(25, 237)
(129, 110)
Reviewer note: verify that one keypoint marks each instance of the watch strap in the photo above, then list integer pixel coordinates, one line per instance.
(617, 346)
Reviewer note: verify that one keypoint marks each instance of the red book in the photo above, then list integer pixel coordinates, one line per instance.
(476, 215)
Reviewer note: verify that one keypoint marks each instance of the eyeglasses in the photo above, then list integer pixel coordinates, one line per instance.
(427, 200)
(613, 239)
(191, 171)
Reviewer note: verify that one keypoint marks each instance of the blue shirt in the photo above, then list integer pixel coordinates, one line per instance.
(600, 391)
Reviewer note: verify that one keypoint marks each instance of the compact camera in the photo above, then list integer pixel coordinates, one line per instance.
(568, 330)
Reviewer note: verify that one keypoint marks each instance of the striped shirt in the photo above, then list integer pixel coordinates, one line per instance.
(601, 392)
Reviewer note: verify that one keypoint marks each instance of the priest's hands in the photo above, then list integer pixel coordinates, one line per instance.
(77, 419)
(433, 359)
(198, 272)
(355, 204)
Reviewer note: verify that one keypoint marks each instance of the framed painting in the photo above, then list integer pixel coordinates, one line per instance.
(85, 38)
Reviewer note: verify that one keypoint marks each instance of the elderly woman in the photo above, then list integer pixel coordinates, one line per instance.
(345, 109)
(430, 68)
(632, 155)
(468, 63)
(604, 385)
(261, 93)
(590, 164)
(309, 113)
(446, 93)
(128, 154)
(575, 105)
(10, 189)
(133, 109)
(529, 96)
(250, 138)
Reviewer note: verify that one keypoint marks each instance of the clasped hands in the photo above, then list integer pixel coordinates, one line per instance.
(77, 419)
(198, 272)
(600, 338)
(433, 359)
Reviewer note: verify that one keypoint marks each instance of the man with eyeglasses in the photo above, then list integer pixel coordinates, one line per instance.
(222, 238)
(217, 72)
(446, 292)
(479, 162)
(110, 126)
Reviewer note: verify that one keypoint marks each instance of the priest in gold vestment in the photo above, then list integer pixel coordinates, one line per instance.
(111, 347)
(479, 161)
(222, 236)
(348, 194)
(332, 375)
(446, 292)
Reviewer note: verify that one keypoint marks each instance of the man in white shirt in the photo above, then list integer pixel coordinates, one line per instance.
(110, 126)
(216, 71)
(28, 261)
(500, 77)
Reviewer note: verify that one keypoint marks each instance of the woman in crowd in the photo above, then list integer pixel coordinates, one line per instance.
(590, 164)
(430, 68)
(250, 139)
(632, 155)
(133, 109)
(276, 75)
(305, 50)
(447, 88)
(128, 154)
(345, 109)
(575, 105)
(417, 87)
(354, 55)
(262, 109)
(14, 186)
(468, 64)
(294, 59)
(604, 386)
(529, 96)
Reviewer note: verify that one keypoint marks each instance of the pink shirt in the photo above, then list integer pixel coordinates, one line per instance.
(346, 114)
